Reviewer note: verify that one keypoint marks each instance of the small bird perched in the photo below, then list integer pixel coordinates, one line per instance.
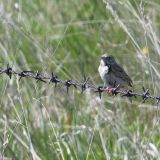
(112, 73)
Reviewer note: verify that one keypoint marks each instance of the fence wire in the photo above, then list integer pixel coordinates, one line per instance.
(145, 94)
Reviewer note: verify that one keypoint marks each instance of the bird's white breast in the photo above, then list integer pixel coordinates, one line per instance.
(103, 70)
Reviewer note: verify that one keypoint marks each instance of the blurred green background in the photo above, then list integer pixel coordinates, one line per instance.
(68, 38)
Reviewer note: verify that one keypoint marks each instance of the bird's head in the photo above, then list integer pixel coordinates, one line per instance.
(107, 60)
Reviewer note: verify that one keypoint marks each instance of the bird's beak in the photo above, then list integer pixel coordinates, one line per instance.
(102, 58)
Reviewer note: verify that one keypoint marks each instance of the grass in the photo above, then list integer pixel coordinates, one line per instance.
(39, 121)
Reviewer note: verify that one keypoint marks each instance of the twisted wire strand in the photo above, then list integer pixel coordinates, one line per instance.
(82, 85)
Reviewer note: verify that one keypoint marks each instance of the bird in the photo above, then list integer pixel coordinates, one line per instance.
(112, 73)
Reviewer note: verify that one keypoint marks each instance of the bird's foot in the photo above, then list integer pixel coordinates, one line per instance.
(112, 90)
(109, 90)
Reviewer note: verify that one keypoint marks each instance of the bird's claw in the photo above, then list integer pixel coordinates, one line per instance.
(112, 90)
(109, 90)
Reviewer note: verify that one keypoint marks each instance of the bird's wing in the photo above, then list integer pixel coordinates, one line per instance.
(119, 72)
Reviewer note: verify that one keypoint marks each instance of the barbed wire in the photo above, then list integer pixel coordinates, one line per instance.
(82, 85)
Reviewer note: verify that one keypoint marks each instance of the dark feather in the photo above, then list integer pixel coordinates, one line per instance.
(119, 72)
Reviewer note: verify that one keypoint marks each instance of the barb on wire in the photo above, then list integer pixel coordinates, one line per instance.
(54, 79)
(82, 85)
(69, 83)
(128, 93)
(8, 71)
(99, 90)
(38, 77)
(24, 74)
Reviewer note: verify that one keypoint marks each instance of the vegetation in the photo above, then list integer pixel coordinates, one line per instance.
(39, 121)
